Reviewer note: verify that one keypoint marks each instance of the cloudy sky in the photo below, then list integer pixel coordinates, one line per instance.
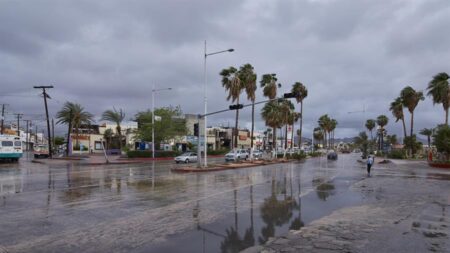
(349, 54)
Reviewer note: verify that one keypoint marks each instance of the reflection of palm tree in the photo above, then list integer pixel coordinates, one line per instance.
(275, 213)
(323, 189)
(297, 223)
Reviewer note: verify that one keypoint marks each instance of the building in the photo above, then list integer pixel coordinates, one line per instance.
(92, 138)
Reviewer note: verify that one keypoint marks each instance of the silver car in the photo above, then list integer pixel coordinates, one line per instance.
(186, 157)
(238, 154)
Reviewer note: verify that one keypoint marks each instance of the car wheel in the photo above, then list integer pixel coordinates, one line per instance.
(177, 161)
(187, 161)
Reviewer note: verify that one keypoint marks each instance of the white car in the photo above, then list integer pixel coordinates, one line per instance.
(257, 154)
(186, 157)
(238, 154)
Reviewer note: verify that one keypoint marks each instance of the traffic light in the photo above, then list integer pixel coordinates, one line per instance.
(236, 107)
(196, 129)
(290, 95)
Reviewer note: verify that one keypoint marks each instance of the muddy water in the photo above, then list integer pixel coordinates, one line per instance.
(146, 208)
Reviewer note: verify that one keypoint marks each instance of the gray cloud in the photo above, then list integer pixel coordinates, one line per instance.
(110, 53)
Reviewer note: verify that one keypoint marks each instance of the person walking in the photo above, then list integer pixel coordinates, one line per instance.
(370, 161)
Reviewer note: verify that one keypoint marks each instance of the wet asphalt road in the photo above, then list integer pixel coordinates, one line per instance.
(145, 208)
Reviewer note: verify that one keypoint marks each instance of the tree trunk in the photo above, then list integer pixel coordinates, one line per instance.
(236, 126)
(446, 116)
(69, 131)
(404, 127)
(301, 125)
(429, 141)
(285, 137)
(292, 136)
(274, 138)
(119, 132)
(371, 135)
(412, 123)
(253, 124)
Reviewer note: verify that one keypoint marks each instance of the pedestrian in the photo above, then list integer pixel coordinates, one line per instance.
(370, 161)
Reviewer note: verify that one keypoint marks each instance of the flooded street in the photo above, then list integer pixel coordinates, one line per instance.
(146, 208)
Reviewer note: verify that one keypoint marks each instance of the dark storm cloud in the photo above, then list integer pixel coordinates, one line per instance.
(110, 53)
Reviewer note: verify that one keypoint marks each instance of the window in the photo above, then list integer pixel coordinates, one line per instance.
(18, 143)
(98, 145)
(7, 143)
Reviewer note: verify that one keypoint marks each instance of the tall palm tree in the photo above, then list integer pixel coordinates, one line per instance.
(248, 79)
(325, 123)
(333, 125)
(273, 115)
(232, 83)
(288, 108)
(269, 84)
(382, 121)
(439, 89)
(301, 93)
(74, 115)
(397, 111)
(116, 117)
(292, 119)
(370, 125)
(410, 99)
(428, 132)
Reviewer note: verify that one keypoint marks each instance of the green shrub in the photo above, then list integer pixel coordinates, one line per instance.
(397, 154)
(315, 154)
(218, 152)
(147, 154)
(298, 156)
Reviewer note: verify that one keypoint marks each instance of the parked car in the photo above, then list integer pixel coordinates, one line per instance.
(186, 157)
(41, 151)
(257, 154)
(332, 155)
(236, 155)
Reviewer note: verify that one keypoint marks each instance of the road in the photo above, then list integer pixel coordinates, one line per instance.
(65, 207)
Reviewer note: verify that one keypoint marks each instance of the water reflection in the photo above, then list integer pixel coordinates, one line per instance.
(324, 189)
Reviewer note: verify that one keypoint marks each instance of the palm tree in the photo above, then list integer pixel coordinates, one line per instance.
(288, 108)
(108, 134)
(333, 125)
(382, 121)
(370, 125)
(301, 93)
(397, 112)
(116, 117)
(292, 119)
(410, 99)
(248, 79)
(428, 132)
(232, 83)
(439, 89)
(269, 84)
(74, 116)
(272, 115)
(318, 134)
(326, 124)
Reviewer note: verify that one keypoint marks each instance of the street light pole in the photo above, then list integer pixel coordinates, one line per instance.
(153, 117)
(205, 133)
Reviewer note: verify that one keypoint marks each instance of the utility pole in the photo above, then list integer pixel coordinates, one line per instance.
(27, 139)
(35, 136)
(70, 132)
(53, 134)
(19, 115)
(44, 93)
(3, 117)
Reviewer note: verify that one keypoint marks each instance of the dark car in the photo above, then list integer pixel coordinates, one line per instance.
(332, 155)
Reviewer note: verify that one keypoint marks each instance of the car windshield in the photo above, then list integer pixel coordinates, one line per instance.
(186, 154)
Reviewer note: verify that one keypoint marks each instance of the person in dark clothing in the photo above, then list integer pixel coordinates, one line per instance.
(370, 161)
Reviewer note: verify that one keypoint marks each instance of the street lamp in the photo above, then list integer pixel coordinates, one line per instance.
(153, 118)
(205, 136)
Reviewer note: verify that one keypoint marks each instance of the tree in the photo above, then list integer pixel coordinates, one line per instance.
(115, 117)
(301, 93)
(232, 83)
(269, 84)
(410, 99)
(292, 119)
(107, 135)
(74, 116)
(438, 88)
(397, 111)
(392, 139)
(333, 125)
(370, 125)
(273, 115)
(428, 132)
(170, 126)
(59, 140)
(441, 139)
(318, 134)
(382, 121)
(362, 141)
(248, 79)
(328, 125)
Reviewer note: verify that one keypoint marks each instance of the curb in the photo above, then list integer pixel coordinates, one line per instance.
(225, 167)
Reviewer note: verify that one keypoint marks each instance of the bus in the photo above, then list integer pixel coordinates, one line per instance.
(10, 148)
